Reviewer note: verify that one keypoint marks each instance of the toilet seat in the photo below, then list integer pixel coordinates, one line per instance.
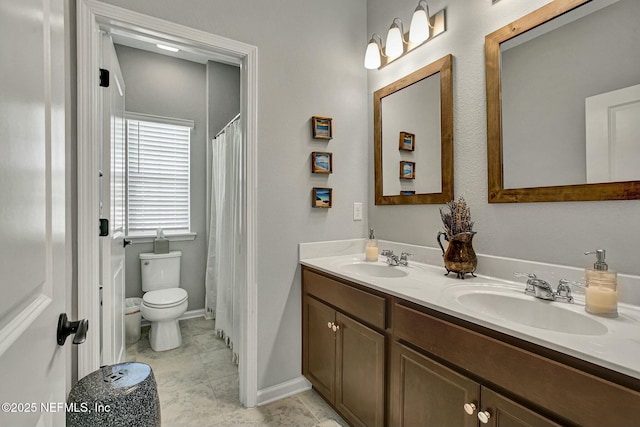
(164, 298)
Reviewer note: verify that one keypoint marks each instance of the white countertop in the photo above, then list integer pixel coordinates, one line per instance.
(618, 349)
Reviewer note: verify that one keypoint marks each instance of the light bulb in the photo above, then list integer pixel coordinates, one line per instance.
(372, 56)
(419, 30)
(395, 45)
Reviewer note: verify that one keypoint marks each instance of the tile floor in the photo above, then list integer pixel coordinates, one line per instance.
(198, 386)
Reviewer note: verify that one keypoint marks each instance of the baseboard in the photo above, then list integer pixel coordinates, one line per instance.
(282, 390)
(191, 314)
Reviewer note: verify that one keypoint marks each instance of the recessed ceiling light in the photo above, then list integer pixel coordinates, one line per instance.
(169, 48)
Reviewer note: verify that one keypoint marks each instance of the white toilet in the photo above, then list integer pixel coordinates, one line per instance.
(163, 301)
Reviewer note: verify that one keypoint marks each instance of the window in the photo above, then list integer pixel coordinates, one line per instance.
(158, 175)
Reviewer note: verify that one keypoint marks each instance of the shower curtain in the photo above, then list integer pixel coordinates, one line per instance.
(226, 255)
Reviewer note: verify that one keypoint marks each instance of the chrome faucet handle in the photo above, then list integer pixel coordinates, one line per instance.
(403, 258)
(530, 289)
(564, 289)
(392, 259)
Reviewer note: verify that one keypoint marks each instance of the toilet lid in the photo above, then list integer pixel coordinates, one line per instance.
(164, 297)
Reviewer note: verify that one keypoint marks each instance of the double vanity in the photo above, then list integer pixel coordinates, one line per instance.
(409, 346)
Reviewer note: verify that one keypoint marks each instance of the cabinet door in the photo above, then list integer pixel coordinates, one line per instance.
(319, 346)
(503, 412)
(427, 394)
(360, 373)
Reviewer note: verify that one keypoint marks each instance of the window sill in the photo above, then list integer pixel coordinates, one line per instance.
(183, 237)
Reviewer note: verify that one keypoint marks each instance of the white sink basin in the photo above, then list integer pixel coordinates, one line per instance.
(513, 306)
(373, 270)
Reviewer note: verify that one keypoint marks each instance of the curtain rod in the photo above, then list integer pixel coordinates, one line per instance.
(227, 125)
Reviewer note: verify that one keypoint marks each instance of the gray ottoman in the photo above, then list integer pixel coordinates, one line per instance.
(117, 395)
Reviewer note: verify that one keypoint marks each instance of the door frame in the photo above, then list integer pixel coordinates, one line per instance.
(92, 15)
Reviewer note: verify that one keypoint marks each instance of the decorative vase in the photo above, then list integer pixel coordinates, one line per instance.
(459, 258)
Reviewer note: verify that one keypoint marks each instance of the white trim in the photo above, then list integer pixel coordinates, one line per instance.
(91, 15)
(178, 237)
(130, 115)
(282, 390)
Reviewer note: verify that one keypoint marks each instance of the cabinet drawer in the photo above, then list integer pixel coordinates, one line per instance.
(576, 396)
(359, 304)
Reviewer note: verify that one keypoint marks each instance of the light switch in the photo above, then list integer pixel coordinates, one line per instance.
(357, 211)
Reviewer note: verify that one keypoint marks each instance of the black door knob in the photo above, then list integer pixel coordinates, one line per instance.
(66, 328)
(126, 242)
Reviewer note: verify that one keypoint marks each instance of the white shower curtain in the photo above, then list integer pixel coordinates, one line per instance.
(226, 256)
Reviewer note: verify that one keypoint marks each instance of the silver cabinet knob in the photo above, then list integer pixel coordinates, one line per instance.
(470, 408)
(335, 327)
(484, 417)
(329, 325)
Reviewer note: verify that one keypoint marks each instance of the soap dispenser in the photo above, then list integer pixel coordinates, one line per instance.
(602, 287)
(371, 249)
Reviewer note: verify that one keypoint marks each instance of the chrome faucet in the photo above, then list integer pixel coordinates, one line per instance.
(393, 260)
(541, 289)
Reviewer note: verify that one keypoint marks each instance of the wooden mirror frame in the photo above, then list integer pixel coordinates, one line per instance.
(626, 190)
(445, 68)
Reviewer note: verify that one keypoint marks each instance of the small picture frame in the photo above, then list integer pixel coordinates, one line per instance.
(407, 170)
(407, 192)
(322, 197)
(407, 141)
(321, 162)
(322, 127)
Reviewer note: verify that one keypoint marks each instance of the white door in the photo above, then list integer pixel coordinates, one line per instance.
(34, 370)
(613, 135)
(112, 260)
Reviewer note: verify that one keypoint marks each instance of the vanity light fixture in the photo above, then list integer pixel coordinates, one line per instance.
(169, 48)
(424, 27)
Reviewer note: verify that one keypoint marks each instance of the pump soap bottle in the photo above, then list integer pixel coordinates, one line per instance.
(602, 287)
(371, 249)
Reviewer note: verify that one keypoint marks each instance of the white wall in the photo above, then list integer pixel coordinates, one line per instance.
(310, 62)
(548, 232)
(165, 86)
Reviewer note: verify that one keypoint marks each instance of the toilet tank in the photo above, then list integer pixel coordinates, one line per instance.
(160, 271)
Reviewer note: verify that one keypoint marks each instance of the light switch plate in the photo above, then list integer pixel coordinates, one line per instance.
(357, 211)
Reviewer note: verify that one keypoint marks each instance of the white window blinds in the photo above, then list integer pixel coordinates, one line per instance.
(157, 176)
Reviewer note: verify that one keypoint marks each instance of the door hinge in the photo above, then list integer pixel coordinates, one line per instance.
(104, 77)
(104, 227)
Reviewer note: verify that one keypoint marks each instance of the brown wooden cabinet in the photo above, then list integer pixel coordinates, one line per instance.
(393, 362)
(428, 394)
(342, 357)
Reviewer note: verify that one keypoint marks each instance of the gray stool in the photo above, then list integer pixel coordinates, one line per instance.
(117, 395)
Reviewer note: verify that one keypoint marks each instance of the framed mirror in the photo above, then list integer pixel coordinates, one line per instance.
(563, 104)
(413, 137)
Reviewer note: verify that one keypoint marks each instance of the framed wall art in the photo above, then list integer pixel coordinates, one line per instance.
(407, 170)
(322, 197)
(321, 162)
(322, 127)
(407, 141)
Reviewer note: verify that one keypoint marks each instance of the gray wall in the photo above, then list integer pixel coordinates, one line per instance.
(164, 86)
(310, 62)
(223, 85)
(547, 232)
